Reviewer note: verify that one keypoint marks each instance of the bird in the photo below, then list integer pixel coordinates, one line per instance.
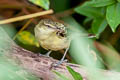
(52, 36)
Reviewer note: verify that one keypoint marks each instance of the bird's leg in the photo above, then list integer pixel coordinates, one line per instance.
(62, 60)
(48, 53)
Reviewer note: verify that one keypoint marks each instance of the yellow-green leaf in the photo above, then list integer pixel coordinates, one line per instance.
(27, 38)
(42, 3)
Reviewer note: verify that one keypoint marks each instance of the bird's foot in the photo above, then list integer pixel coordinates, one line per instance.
(45, 55)
(62, 60)
(48, 54)
(59, 63)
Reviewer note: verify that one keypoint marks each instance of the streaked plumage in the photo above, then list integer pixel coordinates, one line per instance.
(51, 35)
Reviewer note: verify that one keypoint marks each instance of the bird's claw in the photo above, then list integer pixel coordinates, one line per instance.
(59, 63)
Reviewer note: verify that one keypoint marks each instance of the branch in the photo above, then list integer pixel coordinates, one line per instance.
(42, 66)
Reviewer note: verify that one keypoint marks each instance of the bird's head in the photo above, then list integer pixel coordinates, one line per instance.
(57, 27)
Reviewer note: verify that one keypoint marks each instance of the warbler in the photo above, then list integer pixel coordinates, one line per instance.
(52, 36)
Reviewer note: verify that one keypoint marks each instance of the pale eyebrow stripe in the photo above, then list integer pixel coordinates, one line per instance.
(49, 26)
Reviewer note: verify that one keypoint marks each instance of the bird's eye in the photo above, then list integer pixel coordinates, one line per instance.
(48, 26)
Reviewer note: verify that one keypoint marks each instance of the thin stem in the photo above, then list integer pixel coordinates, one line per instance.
(26, 17)
(24, 27)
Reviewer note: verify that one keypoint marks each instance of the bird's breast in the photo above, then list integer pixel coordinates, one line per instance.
(49, 40)
(42, 33)
(54, 43)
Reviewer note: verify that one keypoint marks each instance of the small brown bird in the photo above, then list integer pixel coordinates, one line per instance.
(51, 35)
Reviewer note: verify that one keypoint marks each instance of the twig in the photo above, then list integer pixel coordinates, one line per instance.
(26, 13)
(64, 13)
(26, 17)
(24, 27)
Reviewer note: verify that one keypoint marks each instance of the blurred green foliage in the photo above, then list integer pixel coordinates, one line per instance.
(102, 12)
(60, 5)
(10, 29)
(81, 46)
(9, 70)
(43, 3)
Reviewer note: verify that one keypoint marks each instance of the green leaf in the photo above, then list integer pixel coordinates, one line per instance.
(75, 75)
(100, 3)
(89, 11)
(27, 38)
(42, 3)
(87, 20)
(118, 0)
(98, 26)
(113, 16)
(62, 77)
